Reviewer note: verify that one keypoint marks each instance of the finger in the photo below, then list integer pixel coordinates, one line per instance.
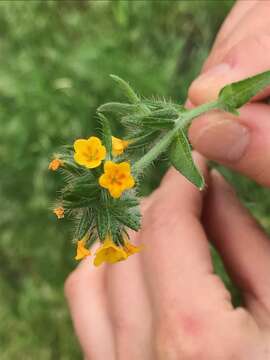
(236, 65)
(241, 242)
(130, 309)
(242, 143)
(246, 19)
(176, 253)
(237, 13)
(85, 293)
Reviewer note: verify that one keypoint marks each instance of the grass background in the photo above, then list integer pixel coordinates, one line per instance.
(55, 57)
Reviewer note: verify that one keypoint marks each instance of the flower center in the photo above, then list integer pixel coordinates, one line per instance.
(91, 154)
(117, 178)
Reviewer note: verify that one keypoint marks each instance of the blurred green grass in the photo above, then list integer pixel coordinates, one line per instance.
(55, 60)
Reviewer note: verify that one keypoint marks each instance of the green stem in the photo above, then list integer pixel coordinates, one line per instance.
(184, 120)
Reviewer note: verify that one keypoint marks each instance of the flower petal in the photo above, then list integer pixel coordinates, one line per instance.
(125, 167)
(109, 166)
(94, 141)
(130, 182)
(92, 164)
(115, 191)
(103, 181)
(80, 144)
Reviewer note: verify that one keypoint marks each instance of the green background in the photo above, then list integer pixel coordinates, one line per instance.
(55, 58)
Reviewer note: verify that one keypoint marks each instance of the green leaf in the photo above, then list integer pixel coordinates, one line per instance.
(155, 123)
(106, 134)
(103, 222)
(163, 105)
(168, 113)
(81, 191)
(148, 122)
(128, 202)
(118, 108)
(181, 158)
(73, 202)
(127, 89)
(235, 95)
(131, 219)
(143, 140)
(85, 220)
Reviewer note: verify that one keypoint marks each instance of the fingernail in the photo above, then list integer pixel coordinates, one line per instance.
(212, 73)
(223, 140)
(207, 85)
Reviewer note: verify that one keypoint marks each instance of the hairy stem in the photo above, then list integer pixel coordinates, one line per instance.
(184, 120)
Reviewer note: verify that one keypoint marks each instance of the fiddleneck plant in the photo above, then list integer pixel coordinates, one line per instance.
(101, 174)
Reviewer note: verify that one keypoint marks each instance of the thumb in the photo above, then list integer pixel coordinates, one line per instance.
(240, 142)
(247, 58)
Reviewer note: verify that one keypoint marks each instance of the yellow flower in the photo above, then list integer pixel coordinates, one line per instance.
(82, 251)
(109, 252)
(118, 146)
(131, 249)
(89, 152)
(59, 212)
(55, 164)
(116, 178)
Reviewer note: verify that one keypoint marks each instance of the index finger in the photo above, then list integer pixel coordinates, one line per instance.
(176, 252)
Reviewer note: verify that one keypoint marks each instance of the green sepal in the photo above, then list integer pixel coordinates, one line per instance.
(79, 192)
(235, 95)
(127, 89)
(128, 202)
(106, 134)
(86, 178)
(143, 140)
(73, 202)
(85, 220)
(163, 105)
(167, 113)
(118, 108)
(181, 158)
(149, 122)
(103, 222)
(118, 238)
(129, 218)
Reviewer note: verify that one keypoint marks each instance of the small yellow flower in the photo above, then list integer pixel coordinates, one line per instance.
(131, 249)
(116, 178)
(59, 212)
(82, 251)
(109, 252)
(118, 146)
(55, 164)
(89, 152)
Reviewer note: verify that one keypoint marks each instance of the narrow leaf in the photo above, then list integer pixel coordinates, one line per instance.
(235, 95)
(106, 134)
(84, 222)
(103, 223)
(143, 140)
(131, 219)
(181, 159)
(127, 89)
(118, 108)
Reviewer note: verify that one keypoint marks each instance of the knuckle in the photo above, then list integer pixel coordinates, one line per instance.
(180, 335)
(173, 345)
(259, 43)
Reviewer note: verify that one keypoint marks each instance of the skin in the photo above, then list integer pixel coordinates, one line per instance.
(165, 303)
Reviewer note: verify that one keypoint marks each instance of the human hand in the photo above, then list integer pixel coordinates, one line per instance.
(165, 303)
(242, 49)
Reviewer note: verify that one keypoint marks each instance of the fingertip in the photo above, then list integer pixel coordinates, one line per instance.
(206, 86)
